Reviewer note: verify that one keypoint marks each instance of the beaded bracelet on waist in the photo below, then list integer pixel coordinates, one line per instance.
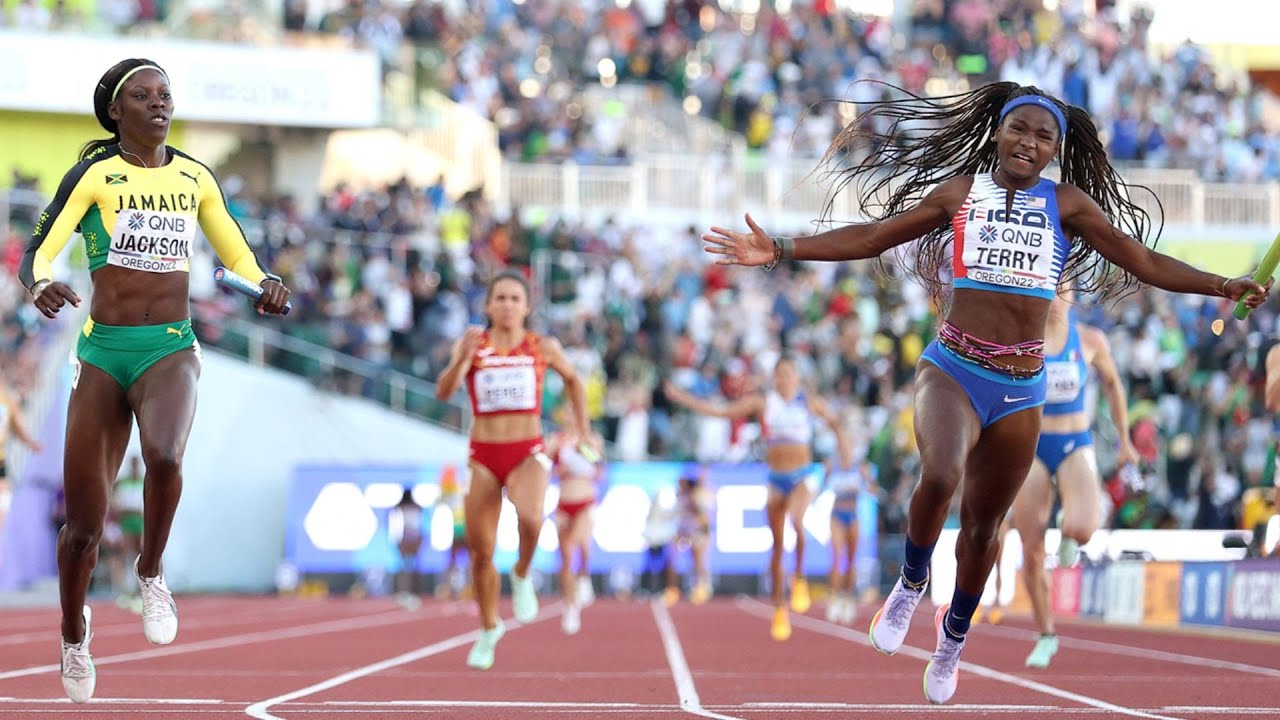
(985, 353)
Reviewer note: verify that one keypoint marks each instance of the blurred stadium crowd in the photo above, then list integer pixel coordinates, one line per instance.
(526, 65)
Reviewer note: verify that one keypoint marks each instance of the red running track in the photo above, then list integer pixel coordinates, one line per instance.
(323, 660)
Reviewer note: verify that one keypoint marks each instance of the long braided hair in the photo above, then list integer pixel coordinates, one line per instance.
(890, 166)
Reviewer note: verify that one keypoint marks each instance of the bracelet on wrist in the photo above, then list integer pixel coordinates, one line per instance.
(777, 256)
(784, 248)
(788, 247)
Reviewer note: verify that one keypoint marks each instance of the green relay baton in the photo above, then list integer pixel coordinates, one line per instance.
(1264, 272)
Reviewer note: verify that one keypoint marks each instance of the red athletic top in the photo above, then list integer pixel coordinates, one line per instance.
(502, 383)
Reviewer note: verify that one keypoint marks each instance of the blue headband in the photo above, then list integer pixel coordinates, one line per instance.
(1039, 101)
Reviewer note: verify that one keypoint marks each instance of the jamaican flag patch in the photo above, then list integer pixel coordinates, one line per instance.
(117, 179)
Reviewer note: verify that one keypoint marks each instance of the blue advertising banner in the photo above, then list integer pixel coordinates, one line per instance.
(1255, 594)
(1204, 593)
(1093, 591)
(337, 520)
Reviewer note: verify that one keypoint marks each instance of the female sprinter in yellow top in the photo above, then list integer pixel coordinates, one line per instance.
(136, 203)
(503, 367)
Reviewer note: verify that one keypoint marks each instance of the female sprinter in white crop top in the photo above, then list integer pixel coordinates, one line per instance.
(578, 471)
(848, 474)
(786, 414)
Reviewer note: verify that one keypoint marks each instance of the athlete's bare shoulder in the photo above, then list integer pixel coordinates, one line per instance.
(1071, 199)
(957, 187)
(1093, 341)
(1092, 335)
(950, 195)
(1273, 361)
(959, 183)
(548, 344)
(1271, 380)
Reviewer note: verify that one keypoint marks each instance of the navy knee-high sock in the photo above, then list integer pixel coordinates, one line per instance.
(956, 623)
(915, 569)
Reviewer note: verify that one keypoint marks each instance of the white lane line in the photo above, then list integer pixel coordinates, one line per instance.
(900, 706)
(542, 705)
(687, 691)
(330, 626)
(131, 628)
(119, 701)
(1130, 651)
(260, 710)
(758, 608)
(916, 711)
(1219, 710)
(798, 707)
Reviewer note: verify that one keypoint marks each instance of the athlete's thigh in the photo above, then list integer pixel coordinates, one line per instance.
(164, 399)
(481, 507)
(1033, 504)
(698, 543)
(946, 425)
(527, 486)
(588, 527)
(410, 547)
(580, 532)
(851, 538)
(775, 510)
(569, 530)
(98, 428)
(839, 539)
(564, 527)
(565, 549)
(998, 465)
(798, 500)
(1080, 488)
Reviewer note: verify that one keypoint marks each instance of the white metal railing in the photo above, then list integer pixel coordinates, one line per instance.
(13, 203)
(654, 121)
(465, 143)
(710, 187)
(264, 346)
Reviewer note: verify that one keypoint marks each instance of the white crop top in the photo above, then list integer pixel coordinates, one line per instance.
(846, 482)
(787, 423)
(572, 463)
(1019, 250)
